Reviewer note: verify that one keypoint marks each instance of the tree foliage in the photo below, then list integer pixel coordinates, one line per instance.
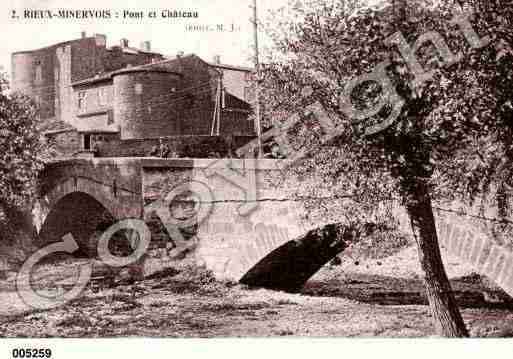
(452, 137)
(461, 116)
(20, 150)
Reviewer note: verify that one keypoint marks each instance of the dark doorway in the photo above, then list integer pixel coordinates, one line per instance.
(81, 215)
(87, 142)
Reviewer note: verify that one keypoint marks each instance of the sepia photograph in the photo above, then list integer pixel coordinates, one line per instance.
(288, 169)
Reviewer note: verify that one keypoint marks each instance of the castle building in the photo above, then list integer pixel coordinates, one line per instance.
(123, 99)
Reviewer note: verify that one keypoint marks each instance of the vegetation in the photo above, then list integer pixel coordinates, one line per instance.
(451, 138)
(20, 151)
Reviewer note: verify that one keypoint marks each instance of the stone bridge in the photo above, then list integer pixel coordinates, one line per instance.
(244, 216)
(81, 196)
(247, 226)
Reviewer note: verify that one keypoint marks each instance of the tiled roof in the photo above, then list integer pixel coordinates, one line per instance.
(107, 76)
(233, 102)
(154, 66)
(97, 122)
(231, 67)
(54, 126)
(89, 127)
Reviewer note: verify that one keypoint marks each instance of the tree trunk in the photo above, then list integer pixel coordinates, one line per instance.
(444, 309)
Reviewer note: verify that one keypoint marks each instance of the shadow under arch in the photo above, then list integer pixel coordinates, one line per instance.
(80, 214)
(289, 266)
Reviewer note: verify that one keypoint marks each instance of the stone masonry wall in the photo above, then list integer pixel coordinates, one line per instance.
(180, 146)
(143, 105)
(228, 241)
(236, 82)
(98, 97)
(64, 63)
(65, 143)
(195, 101)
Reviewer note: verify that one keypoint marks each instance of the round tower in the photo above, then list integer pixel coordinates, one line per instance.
(142, 100)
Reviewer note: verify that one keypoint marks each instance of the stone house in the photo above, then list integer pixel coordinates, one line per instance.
(120, 101)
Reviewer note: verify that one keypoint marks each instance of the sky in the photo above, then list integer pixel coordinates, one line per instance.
(168, 36)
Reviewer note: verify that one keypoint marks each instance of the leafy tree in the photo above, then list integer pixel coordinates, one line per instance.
(450, 128)
(487, 169)
(20, 148)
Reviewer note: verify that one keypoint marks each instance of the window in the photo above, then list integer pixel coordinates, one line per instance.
(189, 100)
(87, 142)
(81, 100)
(39, 73)
(249, 94)
(102, 96)
(110, 117)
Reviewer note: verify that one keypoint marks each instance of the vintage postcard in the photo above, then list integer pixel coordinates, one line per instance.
(291, 169)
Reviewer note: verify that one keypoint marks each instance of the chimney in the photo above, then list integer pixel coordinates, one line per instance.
(83, 34)
(124, 43)
(101, 40)
(217, 59)
(146, 46)
(179, 54)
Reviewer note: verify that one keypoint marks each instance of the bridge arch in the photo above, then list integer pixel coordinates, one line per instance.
(291, 264)
(78, 213)
(102, 193)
